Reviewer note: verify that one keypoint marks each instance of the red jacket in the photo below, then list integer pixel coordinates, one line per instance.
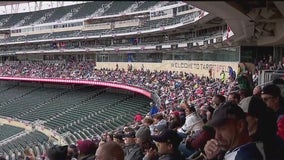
(199, 140)
(280, 124)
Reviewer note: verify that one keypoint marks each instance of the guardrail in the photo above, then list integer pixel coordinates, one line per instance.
(137, 89)
(267, 76)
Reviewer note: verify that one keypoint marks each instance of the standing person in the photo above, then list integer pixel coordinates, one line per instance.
(153, 110)
(222, 76)
(232, 73)
(210, 73)
(232, 136)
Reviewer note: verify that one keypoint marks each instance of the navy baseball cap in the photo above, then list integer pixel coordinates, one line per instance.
(226, 112)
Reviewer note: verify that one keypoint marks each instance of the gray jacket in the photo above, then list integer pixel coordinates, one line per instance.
(133, 152)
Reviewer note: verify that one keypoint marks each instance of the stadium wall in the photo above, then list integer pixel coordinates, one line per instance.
(200, 68)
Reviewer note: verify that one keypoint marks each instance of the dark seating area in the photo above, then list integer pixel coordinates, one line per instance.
(146, 5)
(117, 7)
(84, 112)
(88, 9)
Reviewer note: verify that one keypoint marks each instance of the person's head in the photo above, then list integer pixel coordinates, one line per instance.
(147, 121)
(174, 115)
(109, 137)
(244, 93)
(73, 151)
(261, 120)
(28, 152)
(57, 152)
(271, 95)
(190, 109)
(110, 151)
(143, 134)
(167, 141)
(257, 91)
(229, 122)
(218, 99)
(203, 110)
(234, 97)
(118, 137)
(129, 136)
(157, 118)
(86, 147)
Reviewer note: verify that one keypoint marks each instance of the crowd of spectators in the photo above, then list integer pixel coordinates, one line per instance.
(198, 116)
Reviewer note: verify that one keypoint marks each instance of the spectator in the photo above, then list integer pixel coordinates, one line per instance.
(148, 121)
(73, 151)
(218, 99)
(222, 76)
(57, 152)
(193, 123)
(262, 126)
(109, 150)
(143, 135)
(159, 122)
(132, 151)
(144, 140)
(244, 93)
(174, 121)
(234, 97)
(197, 141)
(167, 143)
(271, 95)
(29, 154)
(232, 73)
(118, 138)
(138, 118)
(87, 149)
(257, 91)
(153, 110)
(231, 135)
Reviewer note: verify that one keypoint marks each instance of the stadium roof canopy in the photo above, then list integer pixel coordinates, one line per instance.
(255, 22)
(4, 3)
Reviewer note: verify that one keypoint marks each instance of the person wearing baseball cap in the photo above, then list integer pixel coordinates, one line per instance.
(232, 135)
(132, 151)
(167, 143)
(271, 95)
(262, 126)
